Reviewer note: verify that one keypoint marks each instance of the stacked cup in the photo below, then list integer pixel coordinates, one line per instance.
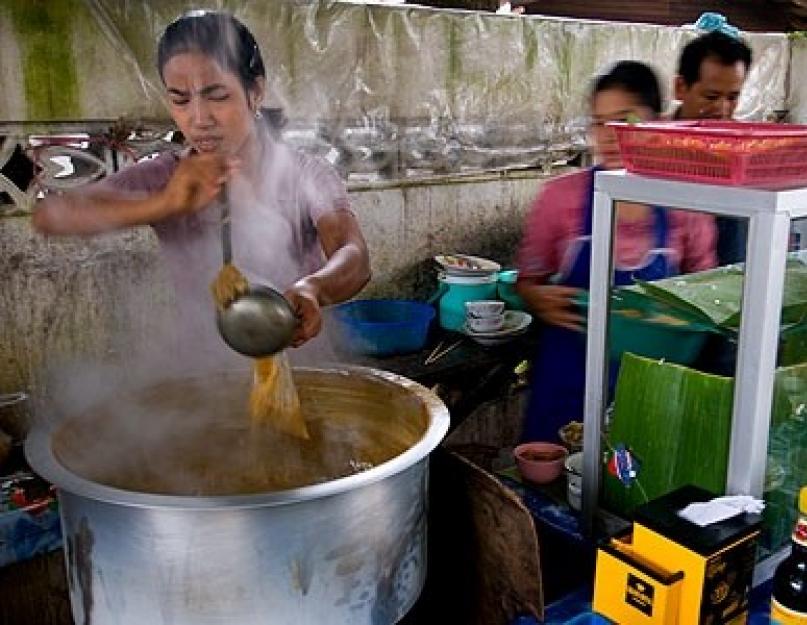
(484, 316)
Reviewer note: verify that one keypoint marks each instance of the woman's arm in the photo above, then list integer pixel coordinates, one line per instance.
(95, 210)
(538, 259)
(344, 274)
(100, 207)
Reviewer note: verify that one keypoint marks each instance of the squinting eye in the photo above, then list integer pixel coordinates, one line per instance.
(219, 97)
(179, 102)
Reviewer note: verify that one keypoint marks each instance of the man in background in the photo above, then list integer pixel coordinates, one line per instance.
(711, 72)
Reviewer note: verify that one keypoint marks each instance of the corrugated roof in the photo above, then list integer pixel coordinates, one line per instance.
(745, 14)
(752, 15)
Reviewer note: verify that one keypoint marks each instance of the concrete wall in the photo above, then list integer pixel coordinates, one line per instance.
(73, 299)
(797, 90)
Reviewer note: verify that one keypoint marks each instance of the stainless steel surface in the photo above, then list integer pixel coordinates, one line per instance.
(347, 551)
(258, 323)
(597, 345)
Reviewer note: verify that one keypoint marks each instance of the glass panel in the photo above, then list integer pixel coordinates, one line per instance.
(786, 471)
(673, 347)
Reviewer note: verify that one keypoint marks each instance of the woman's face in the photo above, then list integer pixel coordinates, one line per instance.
(613, 105)
(209, 104)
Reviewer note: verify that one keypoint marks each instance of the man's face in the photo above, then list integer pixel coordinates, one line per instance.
(716, 92)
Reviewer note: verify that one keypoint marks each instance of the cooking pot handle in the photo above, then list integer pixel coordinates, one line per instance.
(11, 399)
(441, 290)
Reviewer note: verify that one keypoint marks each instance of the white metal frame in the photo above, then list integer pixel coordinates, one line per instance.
(769, 213)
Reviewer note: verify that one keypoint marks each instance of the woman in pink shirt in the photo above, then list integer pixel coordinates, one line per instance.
(292, 226)
(555, 252)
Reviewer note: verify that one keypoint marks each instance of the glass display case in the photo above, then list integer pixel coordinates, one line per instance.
(736, 424)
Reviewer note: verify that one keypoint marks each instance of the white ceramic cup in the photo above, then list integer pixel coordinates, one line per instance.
(485, 324)
(480, 309)
(574, 479)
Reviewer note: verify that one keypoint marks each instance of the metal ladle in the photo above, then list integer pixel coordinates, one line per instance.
(258, 323)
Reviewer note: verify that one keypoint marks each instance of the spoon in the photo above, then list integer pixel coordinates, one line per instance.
(261, 321)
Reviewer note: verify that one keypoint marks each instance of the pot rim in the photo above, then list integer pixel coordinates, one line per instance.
(40, 456)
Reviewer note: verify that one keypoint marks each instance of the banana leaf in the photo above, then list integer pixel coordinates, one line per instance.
(716, 294)
(677, 421)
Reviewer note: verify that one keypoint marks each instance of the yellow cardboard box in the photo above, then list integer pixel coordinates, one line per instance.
(672, 572)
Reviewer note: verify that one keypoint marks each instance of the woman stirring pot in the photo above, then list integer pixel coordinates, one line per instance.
(555, 253)
(292, 226)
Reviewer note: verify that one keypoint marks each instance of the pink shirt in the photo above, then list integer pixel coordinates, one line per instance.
(556, 219)
(274, 231)
(274, 238)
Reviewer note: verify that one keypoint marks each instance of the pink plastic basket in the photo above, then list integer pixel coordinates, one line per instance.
(715, 152)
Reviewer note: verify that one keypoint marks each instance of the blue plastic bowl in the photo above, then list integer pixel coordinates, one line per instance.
(383, 327)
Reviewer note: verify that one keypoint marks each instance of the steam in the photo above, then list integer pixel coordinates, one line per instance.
(275, 244)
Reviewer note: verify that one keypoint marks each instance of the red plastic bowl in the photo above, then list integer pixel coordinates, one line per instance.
(540, 463)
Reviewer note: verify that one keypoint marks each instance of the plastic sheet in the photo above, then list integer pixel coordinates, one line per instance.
(382, 91)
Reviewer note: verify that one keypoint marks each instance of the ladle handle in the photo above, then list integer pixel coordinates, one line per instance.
(226, 230)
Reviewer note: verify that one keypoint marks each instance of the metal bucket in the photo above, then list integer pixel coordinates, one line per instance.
(350, 550)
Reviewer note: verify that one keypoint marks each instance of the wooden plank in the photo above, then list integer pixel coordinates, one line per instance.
(35, 592)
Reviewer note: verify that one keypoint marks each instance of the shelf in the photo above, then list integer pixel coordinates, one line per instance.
(717, 199)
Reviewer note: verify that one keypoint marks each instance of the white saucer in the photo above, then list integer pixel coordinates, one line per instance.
(515, 324)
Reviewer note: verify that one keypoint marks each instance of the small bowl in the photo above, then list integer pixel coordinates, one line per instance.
(540, 463)
(481, 309)
(572, 436)
(485, 324)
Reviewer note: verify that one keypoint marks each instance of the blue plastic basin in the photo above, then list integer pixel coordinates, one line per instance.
(383, 327)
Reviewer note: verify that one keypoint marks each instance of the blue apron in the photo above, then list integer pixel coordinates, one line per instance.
(558, 369)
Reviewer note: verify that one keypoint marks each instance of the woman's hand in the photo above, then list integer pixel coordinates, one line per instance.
(304, 300)
(196, 182)
(553, 304)
(345, 272)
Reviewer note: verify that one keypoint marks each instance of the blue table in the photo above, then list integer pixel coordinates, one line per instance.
(575, 609)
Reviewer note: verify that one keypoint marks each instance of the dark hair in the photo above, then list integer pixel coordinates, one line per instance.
(727, 50)
(217, 35)
(634, 78)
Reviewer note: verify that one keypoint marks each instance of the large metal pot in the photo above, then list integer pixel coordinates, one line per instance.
(349, 550)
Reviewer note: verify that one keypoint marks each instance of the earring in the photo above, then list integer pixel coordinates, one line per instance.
(258, 114)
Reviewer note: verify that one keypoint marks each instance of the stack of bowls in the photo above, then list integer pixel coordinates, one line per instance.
(462, 279)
